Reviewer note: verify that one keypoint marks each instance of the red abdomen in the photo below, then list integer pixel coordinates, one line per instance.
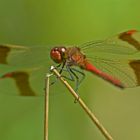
(93, 69)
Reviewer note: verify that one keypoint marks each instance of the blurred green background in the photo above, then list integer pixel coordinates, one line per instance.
(32, 22)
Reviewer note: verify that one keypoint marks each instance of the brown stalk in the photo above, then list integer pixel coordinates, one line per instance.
(46, 113)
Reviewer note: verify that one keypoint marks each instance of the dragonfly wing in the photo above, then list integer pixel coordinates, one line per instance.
(114, 58)
(8, 50)
(124, 43)
(21, 79)
(23, 83)
(125, 71)
(24, 66)
(24, 56)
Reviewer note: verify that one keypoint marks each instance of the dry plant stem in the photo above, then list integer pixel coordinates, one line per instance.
(46, 112)
(83, 105)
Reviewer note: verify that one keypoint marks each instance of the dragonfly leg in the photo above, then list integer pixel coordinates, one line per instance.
(61, 70)
(73, 76)
(82, 75)
(63, 65)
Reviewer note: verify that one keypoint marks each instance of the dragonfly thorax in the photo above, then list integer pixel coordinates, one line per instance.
(58, 54)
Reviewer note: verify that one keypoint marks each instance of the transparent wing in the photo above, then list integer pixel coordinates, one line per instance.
(20, 56)
(25, 67)
(114, 56)
(123, 43)
(126, 71)
(23, 83)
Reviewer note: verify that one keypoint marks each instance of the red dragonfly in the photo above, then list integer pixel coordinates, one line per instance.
(115, 60)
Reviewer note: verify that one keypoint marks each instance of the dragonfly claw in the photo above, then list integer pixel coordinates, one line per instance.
(76, 100)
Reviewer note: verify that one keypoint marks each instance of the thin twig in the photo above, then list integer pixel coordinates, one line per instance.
(83, 105)
(46, 112)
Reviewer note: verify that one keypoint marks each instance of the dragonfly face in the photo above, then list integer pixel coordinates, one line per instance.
(58, 54)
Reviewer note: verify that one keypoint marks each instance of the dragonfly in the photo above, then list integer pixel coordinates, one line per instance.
(112, 59)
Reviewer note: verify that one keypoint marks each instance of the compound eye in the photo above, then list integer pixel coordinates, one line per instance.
(56, 55)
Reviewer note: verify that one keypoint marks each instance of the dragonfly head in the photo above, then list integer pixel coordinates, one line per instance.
(58, 54)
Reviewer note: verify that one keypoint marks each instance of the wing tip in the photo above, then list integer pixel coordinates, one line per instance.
(7, 75)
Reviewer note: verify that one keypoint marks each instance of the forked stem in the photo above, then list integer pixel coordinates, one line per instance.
(83, 105)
